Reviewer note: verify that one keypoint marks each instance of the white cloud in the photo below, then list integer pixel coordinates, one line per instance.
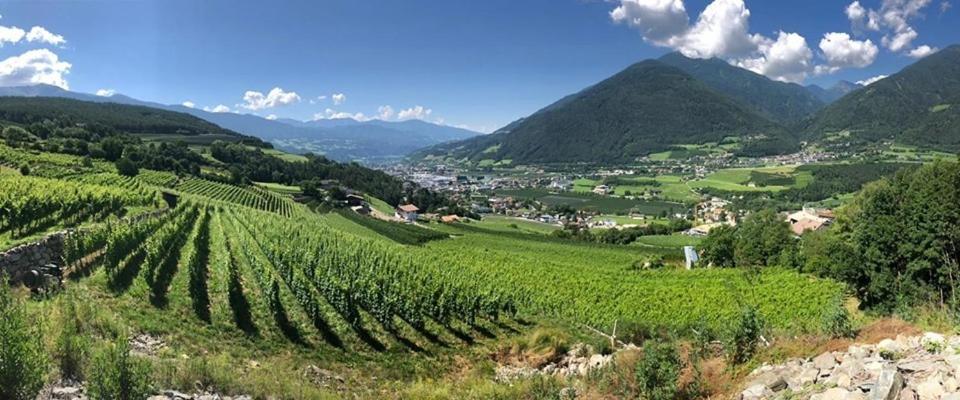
(841, 51)
(721, 30)
(276, 97)
(385, 113)
(220, 108)
(893, 19)
(11, 34)
(318, 99)
(42, 35)
(332, 114)
(944, 7)
(657, 20)
(272, 117)
(787, 59)
(338, 98)
(106, 92)
(33, 67)
(189, 104)
(870, 81)
(922, 51)
(418, 112)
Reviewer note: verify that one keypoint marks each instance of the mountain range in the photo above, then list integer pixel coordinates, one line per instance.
(657, 105)
(338, 139)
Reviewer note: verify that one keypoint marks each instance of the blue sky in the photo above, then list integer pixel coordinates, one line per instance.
(480, 64)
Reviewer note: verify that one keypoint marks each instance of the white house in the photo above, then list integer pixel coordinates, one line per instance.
(407, 212)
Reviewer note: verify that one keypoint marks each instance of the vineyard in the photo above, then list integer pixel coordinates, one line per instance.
(253, 197)
(29, 205)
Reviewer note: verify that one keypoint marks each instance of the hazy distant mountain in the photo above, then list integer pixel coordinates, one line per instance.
(780, 101)
(835, 92)
(646, 108)
(340, 139)
(919, 105)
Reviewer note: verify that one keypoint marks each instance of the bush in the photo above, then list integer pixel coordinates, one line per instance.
(126, 167)
(72, 344)
(836, 322)
(658, 371)
(24, 170)
(22, 361)
(745, 336)
(114, 374)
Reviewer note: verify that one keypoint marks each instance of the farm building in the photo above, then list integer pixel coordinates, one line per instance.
(408, 212)
(809, 219)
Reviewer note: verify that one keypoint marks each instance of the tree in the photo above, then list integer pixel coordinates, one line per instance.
(761, 239)
(112, 148)
(658, 371)
(115, 374)
(126, 167)
(719, 247)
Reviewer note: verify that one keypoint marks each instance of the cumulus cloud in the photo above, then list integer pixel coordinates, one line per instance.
(417, 112)
(220, 108)
(254, 100)
(870, 81)
(385, 113)
(842, 51)
(189, 104)
(10, 34)
(106, 92)
(42, 35)
(658, 20)
(721, 30)
(333, 114)
(786, 59)
(33, 67)
(922, 51)
(893, 19)
(339, 98)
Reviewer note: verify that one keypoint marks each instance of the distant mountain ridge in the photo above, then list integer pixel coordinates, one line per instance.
(919, 105)
(779, 101)
(339, 139)
(648, 107)
(834, 93)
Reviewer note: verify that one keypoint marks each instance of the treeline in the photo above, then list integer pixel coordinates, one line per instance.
(46, 115)
(897, 244)
(829, 180)
(622, 236)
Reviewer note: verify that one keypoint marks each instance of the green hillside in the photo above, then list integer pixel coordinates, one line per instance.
(916, 106)
(647, 108)
(108, 118)
(779, 101)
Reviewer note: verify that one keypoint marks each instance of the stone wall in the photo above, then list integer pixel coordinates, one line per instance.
(16, 261)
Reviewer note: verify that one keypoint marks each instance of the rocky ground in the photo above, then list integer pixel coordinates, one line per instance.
(579, 360)
(923, 367)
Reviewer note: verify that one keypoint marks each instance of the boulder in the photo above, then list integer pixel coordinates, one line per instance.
(931, 388)
(889, 345)
(769, 380)
(907, 394)
(888, 385)
(934, 339)
(756, 392)
(825, 361)
(918, 366)
(841, 394)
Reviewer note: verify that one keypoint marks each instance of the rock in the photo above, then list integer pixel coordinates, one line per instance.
(917, 366)
(930, 389)
(841, 394)
(769, 380)
(756, 392)
(950, 396)
(808, 376)
(597, 361)
(173, 394)
(825, 361)
(907, 394)
(951, 385)
(841, 379)
(889, 345)
(888, 385)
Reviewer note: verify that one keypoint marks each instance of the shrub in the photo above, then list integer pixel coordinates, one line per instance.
(115, 375)
(72, 344)
(658, 371)
(745, 335)
(22, 361)
(836, 322)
